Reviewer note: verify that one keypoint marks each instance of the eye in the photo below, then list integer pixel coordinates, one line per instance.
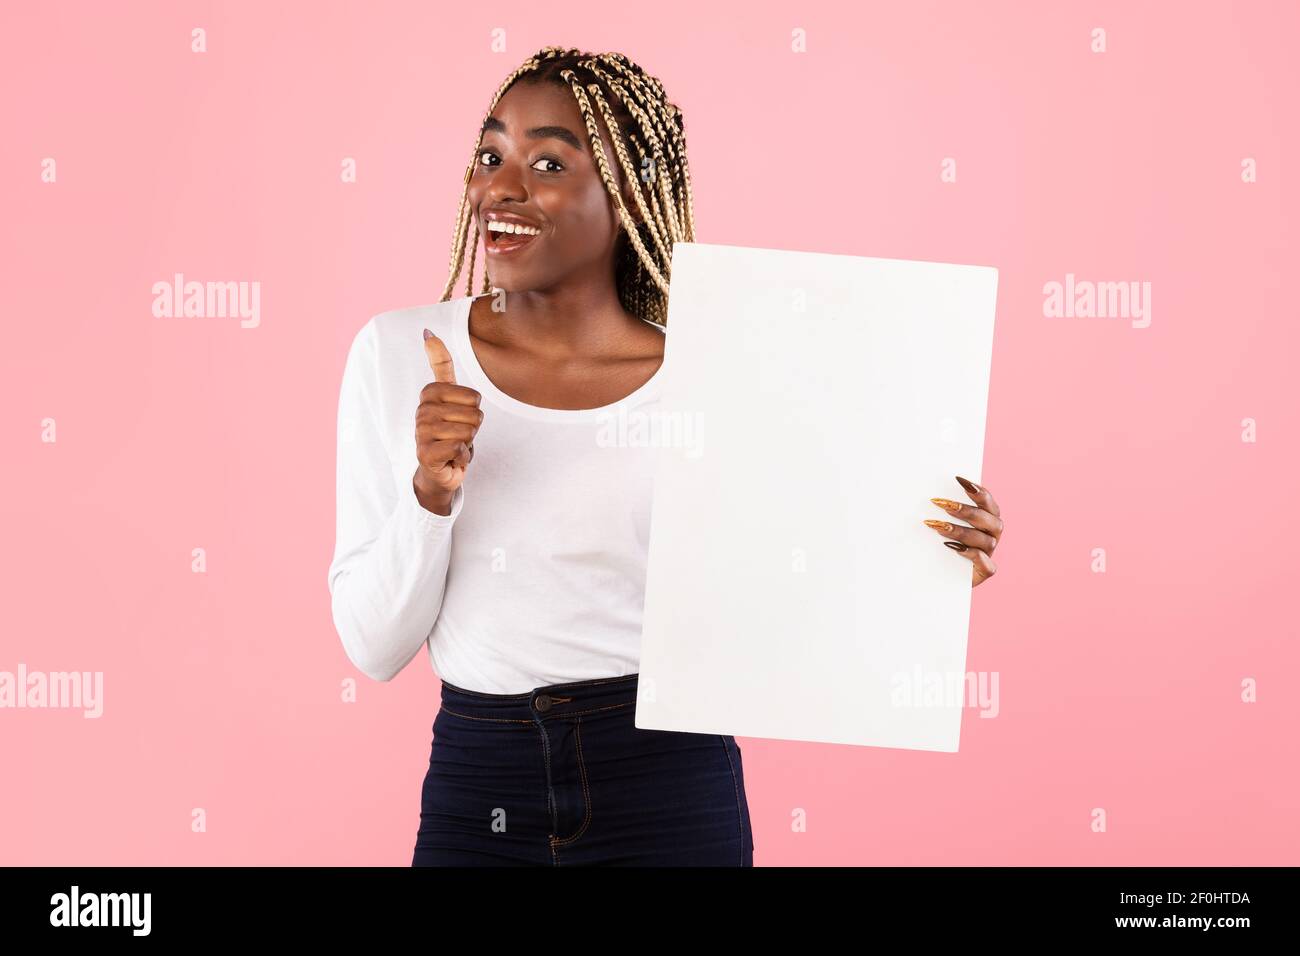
(544, 159)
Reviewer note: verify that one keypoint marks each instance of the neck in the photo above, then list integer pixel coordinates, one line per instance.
(563, 321)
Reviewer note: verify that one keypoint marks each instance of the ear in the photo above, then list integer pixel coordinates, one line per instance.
(627, 188)
(629, 200)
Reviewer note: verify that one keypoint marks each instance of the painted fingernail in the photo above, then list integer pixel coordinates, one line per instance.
(429, 335)
(947, 504)
(939, 525)
(956, 545)
(970, 486)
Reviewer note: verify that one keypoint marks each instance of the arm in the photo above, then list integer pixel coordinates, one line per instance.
(389, 570)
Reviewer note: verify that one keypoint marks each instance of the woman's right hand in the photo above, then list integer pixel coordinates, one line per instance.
(446, 422)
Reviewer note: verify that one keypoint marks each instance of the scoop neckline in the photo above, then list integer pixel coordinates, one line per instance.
(539, 412)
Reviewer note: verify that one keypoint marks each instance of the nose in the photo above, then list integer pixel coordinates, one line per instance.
(506, 183)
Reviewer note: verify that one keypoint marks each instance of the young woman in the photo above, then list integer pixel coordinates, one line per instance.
(500, 532)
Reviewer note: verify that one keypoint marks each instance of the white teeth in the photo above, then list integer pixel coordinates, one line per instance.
(511, 228)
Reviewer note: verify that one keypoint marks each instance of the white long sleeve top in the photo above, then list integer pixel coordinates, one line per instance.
(537, 576)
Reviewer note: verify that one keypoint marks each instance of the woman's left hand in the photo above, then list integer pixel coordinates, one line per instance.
(977, 541)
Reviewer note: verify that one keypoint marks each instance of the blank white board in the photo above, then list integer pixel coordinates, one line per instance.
(812, 405)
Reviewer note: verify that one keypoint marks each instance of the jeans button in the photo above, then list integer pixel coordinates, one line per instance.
(543, 702)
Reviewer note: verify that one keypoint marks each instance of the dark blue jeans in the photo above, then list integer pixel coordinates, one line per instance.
(561, 776)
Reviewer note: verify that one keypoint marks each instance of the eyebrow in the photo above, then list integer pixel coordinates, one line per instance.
(492, 124)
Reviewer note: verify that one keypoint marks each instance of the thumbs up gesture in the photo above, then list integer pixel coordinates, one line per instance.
(446, 422)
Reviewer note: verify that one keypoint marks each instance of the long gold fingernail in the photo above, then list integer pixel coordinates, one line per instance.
(947, 504)
(938, 525)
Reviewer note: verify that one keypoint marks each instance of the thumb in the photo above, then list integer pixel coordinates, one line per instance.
(439, 358)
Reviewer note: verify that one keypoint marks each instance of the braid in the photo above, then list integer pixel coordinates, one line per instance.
(637, 113)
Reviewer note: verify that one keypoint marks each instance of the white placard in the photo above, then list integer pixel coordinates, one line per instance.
(812, 406)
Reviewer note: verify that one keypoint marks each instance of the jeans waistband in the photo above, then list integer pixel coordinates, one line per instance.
(601, 695)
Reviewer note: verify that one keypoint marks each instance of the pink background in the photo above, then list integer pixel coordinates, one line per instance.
(1119, 690)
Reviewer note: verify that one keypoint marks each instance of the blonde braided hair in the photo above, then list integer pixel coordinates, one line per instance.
(636, 111)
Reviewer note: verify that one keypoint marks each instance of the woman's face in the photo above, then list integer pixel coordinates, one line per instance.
(535, 162)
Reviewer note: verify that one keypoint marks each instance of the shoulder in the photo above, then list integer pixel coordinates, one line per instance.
(403, 327)
(387, 361)
(396, 335)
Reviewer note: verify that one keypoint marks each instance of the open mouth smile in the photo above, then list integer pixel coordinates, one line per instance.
(503, 238)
